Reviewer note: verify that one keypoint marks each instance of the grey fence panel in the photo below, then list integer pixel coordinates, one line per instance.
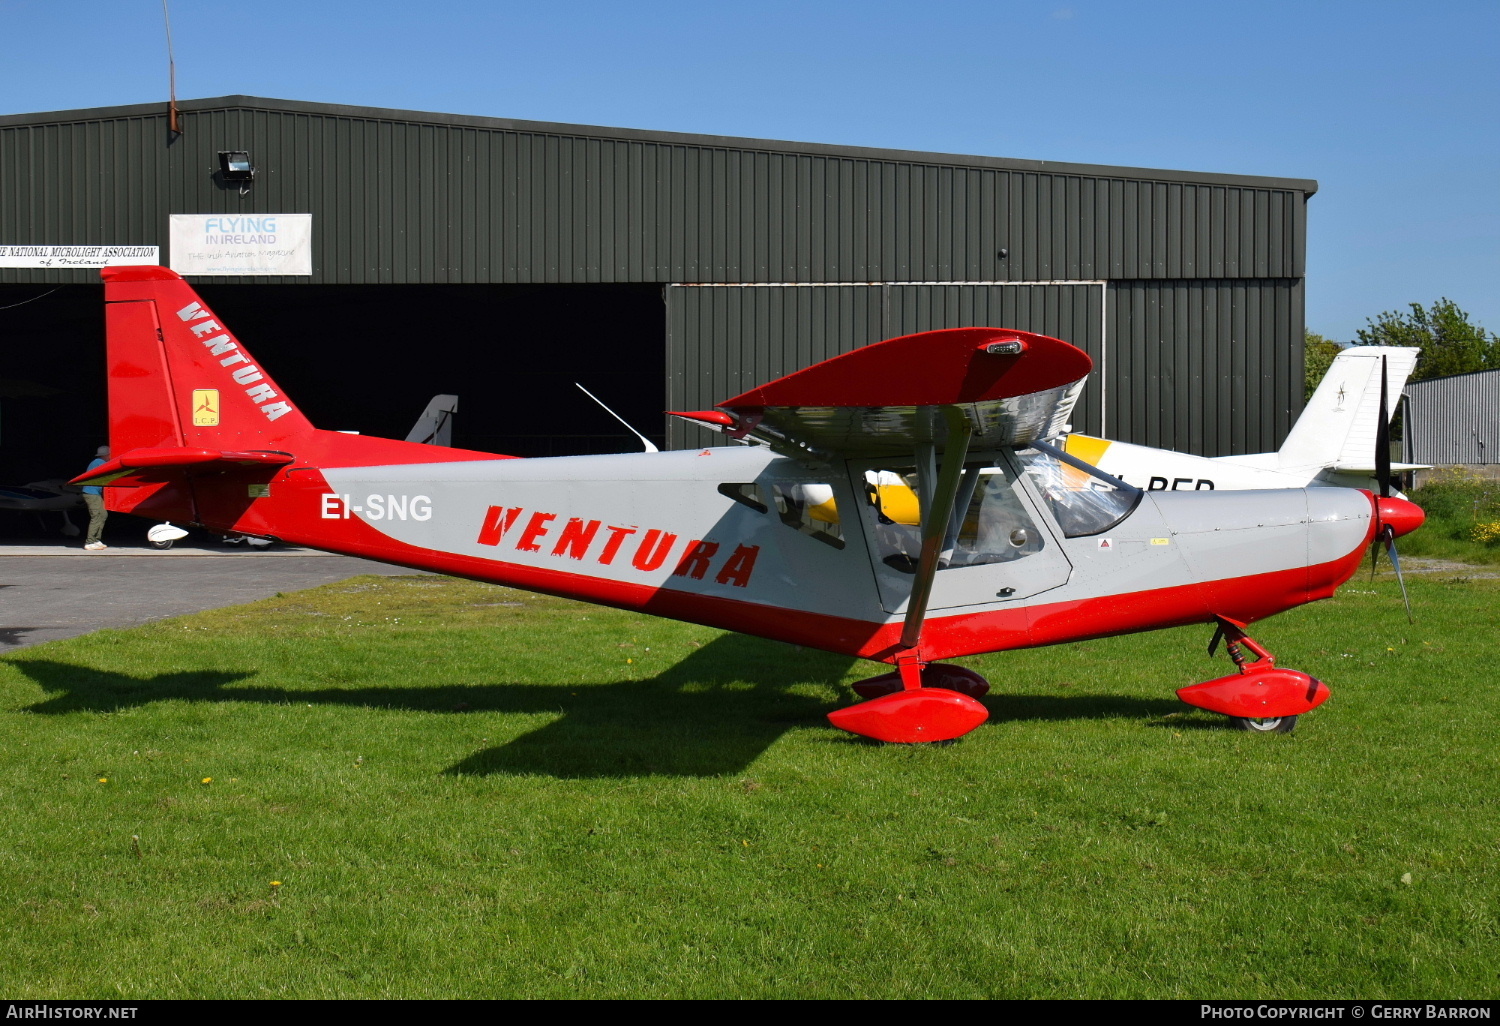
(1454, 419)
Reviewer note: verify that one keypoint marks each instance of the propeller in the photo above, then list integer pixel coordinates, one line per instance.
(1382, 462)
(1386, 532)
(1388, 535)
(1383, 439)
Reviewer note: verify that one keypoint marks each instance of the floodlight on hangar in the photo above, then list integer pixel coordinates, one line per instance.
(235, 166)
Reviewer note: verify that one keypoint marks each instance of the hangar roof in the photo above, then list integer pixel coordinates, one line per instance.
(410, 197)
(1304, 185)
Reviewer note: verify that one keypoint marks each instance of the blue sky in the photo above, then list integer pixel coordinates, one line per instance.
(1393, 107)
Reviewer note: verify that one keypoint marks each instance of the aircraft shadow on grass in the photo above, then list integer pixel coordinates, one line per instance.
(712, 713)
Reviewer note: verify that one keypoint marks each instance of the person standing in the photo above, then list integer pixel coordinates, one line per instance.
(93, 498)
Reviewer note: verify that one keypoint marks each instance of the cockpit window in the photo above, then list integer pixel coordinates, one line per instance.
(992, 527)
(746, 493)
(1084, 499)
(809, 507)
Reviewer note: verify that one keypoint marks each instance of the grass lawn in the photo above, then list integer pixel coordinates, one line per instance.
(1463, 518)
(423, 787)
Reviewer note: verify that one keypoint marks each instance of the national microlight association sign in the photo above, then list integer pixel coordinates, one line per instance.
(241, 243)
(77, 256)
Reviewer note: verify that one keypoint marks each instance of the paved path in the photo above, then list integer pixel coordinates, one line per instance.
(51, 592)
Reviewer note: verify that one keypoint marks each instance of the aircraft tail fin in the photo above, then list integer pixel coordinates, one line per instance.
(185, 398)
(200, 433)
(1340, 424)
(435, 425)
(179, 378)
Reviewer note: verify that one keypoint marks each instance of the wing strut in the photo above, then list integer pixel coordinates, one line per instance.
(938, 487)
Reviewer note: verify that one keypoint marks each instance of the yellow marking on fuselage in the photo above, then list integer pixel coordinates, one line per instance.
(1090, 450)
(1086, 447)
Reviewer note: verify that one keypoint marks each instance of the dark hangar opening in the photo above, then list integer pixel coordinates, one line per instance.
(367, 358)
(364, 358)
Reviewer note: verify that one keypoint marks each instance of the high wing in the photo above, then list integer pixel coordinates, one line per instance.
(930, 398)
(887, 399)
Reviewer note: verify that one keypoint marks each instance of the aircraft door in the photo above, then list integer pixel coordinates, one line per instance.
(1000, 548)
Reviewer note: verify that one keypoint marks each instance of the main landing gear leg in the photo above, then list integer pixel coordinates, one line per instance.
(917, 702)
(1260, 698)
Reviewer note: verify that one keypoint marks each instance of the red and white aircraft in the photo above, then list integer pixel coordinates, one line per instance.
(810, 537)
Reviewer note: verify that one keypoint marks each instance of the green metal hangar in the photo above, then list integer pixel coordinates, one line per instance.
(412, 254)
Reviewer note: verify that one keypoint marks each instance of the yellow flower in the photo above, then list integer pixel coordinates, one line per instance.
(275, 883)
(208, 780)
(103, 780)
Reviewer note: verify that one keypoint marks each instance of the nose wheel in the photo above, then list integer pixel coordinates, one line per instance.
(1265, 724)
(1261, 698)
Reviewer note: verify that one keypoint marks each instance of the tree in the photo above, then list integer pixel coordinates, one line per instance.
(1450, 344)
(1317, 355)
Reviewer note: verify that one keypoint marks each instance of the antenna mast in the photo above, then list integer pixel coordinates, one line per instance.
(172, 123)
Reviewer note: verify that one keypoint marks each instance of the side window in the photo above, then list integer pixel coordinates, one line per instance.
(992, 527)
(746, 494)
(809, 507)
(898, 536)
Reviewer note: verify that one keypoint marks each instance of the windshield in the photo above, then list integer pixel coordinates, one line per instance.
(1084, 499)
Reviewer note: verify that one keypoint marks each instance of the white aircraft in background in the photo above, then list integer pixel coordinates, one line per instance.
(1332, 444)
(40, 497)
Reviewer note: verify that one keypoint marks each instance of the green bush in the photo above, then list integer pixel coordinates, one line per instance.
(1463, 518)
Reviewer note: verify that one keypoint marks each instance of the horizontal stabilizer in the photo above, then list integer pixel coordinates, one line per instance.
(146, 466)
(1368, 467)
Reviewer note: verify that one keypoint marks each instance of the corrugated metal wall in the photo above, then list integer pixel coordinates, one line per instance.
(722, 340)
(1210, 367)
(1201, 352)
(405, 201)
(1454, 420)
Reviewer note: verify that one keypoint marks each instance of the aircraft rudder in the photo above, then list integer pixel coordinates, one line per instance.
(1338, 424)
(179, 376)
